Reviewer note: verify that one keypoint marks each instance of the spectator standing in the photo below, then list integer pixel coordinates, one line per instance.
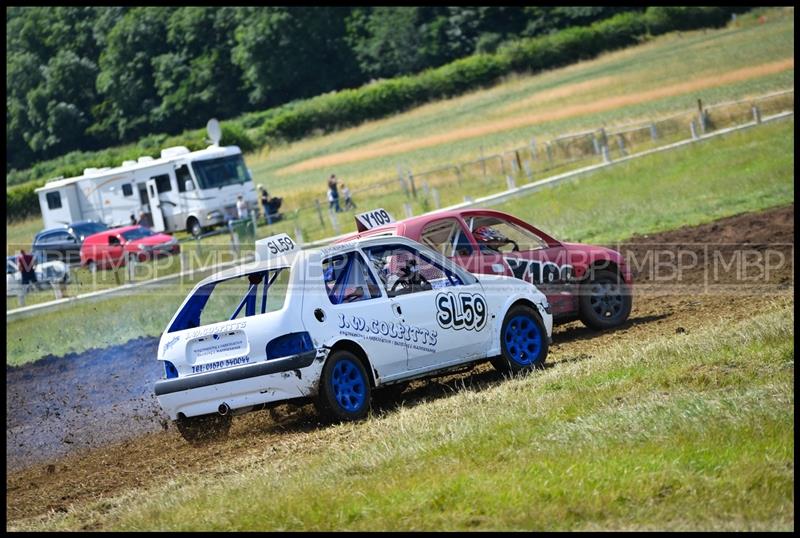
(241, 207)
(264, 196)
(144, 220)
(348, 201)
(333, 193)
(27, 267)
(133, 220)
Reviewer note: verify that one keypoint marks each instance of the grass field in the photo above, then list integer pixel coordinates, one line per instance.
(689, 432)
(744, 171)
(657, 78)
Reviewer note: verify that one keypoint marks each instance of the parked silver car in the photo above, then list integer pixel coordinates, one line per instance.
(47, 274)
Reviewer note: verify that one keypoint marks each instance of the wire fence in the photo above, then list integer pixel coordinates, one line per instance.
(407, 193)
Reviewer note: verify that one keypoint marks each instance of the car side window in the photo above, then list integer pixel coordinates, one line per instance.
(113, 240)
(404, 270)
(447, 237)
(348, 279)
(495, 235)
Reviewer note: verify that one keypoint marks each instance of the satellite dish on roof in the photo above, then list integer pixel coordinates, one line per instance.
(214, 131)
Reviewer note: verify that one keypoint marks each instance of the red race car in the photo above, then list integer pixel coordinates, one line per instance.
(113, 247)
(585, 282)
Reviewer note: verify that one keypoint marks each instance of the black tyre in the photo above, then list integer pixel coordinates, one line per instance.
(523, 341)
(344, 391)
(204, 428)
(193, 225)
(605, 300)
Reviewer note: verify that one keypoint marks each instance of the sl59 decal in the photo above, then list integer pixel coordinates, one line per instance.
(463, 311)
(282, 244)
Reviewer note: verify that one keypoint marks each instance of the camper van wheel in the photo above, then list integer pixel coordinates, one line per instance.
(193, 225)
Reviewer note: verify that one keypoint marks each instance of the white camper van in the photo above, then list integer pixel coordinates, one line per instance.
(181, 190)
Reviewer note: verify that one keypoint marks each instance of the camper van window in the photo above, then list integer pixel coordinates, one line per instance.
(162, 183)
(215, 173)
(127, 190)
(54, 200)
(182, 175)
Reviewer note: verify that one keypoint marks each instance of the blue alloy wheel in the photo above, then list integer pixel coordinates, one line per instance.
(523, 340)
(349, 385)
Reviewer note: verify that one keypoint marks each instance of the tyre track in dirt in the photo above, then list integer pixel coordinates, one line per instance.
(120, 440)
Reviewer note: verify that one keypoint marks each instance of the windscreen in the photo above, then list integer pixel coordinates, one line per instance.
(234, 298)
(217, 173)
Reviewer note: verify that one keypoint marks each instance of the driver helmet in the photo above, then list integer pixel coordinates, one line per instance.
(484, 234)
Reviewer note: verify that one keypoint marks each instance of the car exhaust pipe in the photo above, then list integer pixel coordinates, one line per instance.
(223, 409)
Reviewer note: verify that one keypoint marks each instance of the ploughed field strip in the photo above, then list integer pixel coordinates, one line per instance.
(87, 426)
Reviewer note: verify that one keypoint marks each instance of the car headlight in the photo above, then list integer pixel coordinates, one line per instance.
(145, 247)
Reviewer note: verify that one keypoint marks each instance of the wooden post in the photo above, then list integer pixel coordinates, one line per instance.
(701, 116)
(528, 168)
(334, 220)
(298, 236)
(483, 163)
(413, 187)
(426, 190)
(533, 148)
(510, 183)
(693, 128)
(235, 244)
(319, 213)
(21, 295)
(57, 289)
(408, 209)
(621, 143)
(606, 154)
(595, 144)
(435, 194)
(549, 153)
(756, 114)
(653, 131)
(402, 180)
(519, 161)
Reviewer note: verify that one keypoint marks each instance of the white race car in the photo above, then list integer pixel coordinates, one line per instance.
(333, 325)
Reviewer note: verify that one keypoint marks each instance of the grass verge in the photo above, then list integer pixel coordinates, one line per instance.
(686, 432)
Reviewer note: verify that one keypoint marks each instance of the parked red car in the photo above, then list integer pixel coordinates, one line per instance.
(585, 282)
(113, 247)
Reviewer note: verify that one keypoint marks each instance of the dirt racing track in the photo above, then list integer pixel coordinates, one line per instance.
(87, 426)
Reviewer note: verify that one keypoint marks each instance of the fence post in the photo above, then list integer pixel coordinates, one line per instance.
(131, 268)
(334, 220)
(21, 295)
(533, 148)
(408, 209)
(606, 154)
(468, 199)
(756, 114)
(413, 187)
(595, 144)
(693, 128)
(528, 168)
(298, 236)
(621, 143)
(653, 131)
(235, 244)
(483, 163)
(182, 259)
(701, 115)
(57, 290)
(435, 194)
(458, 175)
(515, 164)
(510, 183)
(401, 180)
(549, 154)
(255, 225)
(426, 190)
(319, 212)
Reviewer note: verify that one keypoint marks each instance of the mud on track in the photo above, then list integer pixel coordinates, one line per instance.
(87, 426)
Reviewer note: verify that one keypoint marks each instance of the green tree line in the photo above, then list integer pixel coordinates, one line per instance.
(86, 78)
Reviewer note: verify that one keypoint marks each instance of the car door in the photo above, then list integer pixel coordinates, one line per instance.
(443, 313)
(353, 306)
(527, 254)
(113, 251)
